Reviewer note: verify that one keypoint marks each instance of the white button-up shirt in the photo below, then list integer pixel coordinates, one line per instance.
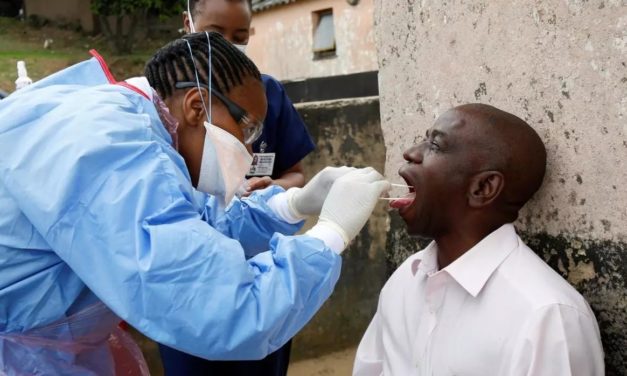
(497, 310)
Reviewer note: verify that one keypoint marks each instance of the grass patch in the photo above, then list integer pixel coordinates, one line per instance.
(20, 41)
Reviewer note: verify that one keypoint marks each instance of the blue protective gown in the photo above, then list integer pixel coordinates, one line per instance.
(95, 205)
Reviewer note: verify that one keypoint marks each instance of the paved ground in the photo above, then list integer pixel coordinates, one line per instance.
(336, 364)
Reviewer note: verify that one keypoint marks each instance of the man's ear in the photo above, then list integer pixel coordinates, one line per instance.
(485, 187)
(193, 109)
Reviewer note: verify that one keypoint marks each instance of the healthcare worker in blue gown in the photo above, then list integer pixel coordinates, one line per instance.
(115, 203)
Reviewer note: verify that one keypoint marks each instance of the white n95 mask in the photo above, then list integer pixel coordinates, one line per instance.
(225, 163)
(241, 47)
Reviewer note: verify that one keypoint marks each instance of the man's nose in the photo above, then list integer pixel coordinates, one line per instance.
(413, 154)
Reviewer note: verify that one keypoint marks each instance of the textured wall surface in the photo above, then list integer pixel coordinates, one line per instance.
(347, 132)
(562, 66)
(282, 43)
(62, 11)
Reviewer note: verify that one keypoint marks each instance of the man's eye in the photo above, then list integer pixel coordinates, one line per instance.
(434, 146)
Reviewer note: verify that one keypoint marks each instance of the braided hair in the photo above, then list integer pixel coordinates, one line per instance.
(173, 63)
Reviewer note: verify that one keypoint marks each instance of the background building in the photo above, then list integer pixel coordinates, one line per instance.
(297, 39)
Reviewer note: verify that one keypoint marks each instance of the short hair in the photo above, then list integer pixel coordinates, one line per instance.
(173, 63)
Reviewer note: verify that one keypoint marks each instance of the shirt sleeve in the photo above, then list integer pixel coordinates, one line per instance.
(369, 358)
(251, 221)
(559, 340)
(114, 202)
(293, 142)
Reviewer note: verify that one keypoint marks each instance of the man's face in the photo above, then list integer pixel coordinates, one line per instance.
(229, 18)
(439, 168)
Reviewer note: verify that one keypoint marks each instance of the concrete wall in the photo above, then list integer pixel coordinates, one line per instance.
(562, 66)
(282, 42)
(347, 132)
(70, 11)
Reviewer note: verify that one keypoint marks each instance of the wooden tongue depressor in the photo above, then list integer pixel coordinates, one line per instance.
(395, 198)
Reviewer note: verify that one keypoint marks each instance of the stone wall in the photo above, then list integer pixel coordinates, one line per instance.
(347, 132)
(562, 66)
(63, 11)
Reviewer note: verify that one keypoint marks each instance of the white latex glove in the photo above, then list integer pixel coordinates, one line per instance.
(308, 200)
(351, 201)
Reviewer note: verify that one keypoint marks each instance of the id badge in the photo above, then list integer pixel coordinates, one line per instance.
(263, 164)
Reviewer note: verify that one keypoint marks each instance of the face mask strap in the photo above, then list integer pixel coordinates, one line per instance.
(191, 20)
(210, 75)
(202, 97)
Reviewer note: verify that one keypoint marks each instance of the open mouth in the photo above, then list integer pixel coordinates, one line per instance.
(406, 200)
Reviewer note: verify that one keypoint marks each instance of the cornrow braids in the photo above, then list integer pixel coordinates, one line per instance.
(173, 63)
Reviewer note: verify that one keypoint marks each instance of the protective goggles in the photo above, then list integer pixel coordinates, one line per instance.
(251, 127)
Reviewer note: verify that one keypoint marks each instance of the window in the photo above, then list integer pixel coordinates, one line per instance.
(324, 34)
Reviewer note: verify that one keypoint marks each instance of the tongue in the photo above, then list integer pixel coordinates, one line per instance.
(401, 202)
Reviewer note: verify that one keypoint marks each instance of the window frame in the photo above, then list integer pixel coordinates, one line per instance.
(323, 53)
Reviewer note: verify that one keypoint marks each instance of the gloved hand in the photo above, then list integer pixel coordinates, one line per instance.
(351, 201)
(308, 200)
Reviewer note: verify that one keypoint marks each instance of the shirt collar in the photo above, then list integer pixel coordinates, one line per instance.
(473, 269)
(426, 261)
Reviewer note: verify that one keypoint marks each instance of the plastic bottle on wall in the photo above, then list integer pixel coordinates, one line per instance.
(22, 76)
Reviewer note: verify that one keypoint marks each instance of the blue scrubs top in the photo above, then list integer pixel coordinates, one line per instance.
(284, 132)
(95, 205)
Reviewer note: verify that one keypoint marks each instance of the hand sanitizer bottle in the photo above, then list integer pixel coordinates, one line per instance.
(22, 76)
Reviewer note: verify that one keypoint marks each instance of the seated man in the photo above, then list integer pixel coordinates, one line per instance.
(477, 300)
